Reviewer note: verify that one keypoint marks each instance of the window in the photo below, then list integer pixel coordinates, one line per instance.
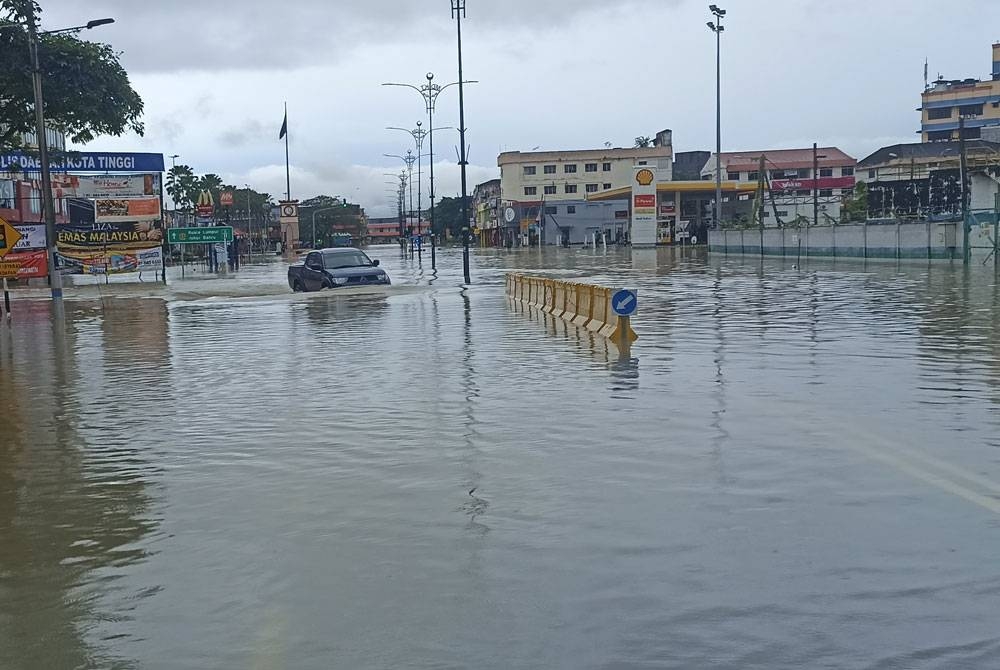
(803, 191)
(972, 133)
(643, 162)
(569, 168)
(733, 176)
(607, 186)
(826, 172)
(802, 173)
(971, 110)
(847, 171)
(530, 190)
(871, 174)
(590, 167)
(550, 190)
(606, 167)
(939, 113)
(549, 169)
(939, 136)
(6, 194)
(35, 201)
(765, 213)
(571, 209)
(782, 212)
(529, 170)
(571, 188)
(591, 188)
(847, 191)
(753, 176)
(551, 210)
(825, 192)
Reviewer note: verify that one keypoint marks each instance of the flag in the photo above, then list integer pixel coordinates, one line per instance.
(284, 127)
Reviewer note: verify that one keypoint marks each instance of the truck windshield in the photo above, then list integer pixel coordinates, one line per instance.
(348, 259)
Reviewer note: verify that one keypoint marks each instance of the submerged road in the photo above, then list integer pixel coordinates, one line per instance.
(796, 467)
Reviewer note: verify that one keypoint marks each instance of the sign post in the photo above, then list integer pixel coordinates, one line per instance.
(624, 303)
(9, 237)
(211, 235)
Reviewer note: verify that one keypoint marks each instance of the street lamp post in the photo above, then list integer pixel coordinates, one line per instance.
(48, 206)
(717, 28)
(418, 134)
(430, 92)
(458, 13)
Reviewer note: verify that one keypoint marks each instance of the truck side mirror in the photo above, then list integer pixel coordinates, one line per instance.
(375, 262)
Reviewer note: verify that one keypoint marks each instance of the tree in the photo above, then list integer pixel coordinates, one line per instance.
(855, 206)
(87, 91)
(448, 215)
(182, 186)
(333, 215)
(643, 142)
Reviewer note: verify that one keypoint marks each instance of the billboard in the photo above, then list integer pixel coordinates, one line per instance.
(643, 206)
(111, 261)
(32, 236)
(104, 186)
(108, 210)
(24, 265)
(129, 235)
(85, 161)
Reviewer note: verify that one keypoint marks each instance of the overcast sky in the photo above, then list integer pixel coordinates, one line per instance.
(554, 74)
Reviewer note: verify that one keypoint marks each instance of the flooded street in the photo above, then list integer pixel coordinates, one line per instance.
(796, 467)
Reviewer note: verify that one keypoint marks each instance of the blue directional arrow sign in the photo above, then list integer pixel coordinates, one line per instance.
(625, 302)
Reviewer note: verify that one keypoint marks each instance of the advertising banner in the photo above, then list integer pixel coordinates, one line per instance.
(643, 207)
(822, 182)
(24, 265)
(100, 186)
(132, 235)
(121, 261)
(32, 236)
(85, 161)
(126, 209)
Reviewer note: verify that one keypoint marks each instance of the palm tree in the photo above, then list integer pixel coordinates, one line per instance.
(181, 186)
(643, 142)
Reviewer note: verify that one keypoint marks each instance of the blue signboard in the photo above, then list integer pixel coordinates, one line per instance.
(625, 302)
(85, 161)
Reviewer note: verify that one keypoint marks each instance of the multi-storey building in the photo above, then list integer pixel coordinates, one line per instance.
(564, 180)
(21, 193)
(486, 204)
(974, 103)
(793, 177)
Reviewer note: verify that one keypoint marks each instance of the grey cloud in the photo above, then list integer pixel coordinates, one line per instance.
(261, 34)
(246, 132)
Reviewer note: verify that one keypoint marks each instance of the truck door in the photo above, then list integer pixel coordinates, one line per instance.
(312, 272)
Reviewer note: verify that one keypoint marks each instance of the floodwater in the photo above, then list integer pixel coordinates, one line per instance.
(794, 467)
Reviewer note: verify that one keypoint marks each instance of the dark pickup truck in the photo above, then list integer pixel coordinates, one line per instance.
(330, 268)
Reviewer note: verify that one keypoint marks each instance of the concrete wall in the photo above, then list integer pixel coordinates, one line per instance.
(905, 240)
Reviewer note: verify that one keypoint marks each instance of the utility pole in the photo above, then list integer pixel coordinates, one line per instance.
(458, 12)
(717, 28)
(48, 207)
(964, 170)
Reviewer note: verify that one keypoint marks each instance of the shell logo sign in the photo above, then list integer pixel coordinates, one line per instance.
(645, 177)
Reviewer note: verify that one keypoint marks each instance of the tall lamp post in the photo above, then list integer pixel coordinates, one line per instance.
(418, 134)
(717, 28)
(430, 92)
(48, 206)
(458, 13)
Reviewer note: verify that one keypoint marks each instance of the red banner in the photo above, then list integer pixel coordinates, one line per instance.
(802, 184)
(645, 201)
(26, 265)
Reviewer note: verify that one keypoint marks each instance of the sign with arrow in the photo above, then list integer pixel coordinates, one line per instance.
(625, 302)
(8, 238)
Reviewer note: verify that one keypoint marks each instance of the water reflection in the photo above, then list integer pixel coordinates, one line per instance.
(74, 495)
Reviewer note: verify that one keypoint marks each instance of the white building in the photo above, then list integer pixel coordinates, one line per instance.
(572, 175)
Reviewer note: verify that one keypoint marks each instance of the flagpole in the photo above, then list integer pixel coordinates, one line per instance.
(288, 171)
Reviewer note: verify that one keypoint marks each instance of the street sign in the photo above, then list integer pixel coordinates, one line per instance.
(509, 215)
(209, 235)
(8, 238)
(226, 198)
(625, 302)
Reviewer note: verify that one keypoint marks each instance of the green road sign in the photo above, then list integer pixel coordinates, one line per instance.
(200, 235)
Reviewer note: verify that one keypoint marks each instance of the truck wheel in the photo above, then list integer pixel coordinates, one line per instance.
(297, 287)
(327, 283)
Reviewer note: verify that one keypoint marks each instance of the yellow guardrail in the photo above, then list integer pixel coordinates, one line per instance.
(585, 305)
